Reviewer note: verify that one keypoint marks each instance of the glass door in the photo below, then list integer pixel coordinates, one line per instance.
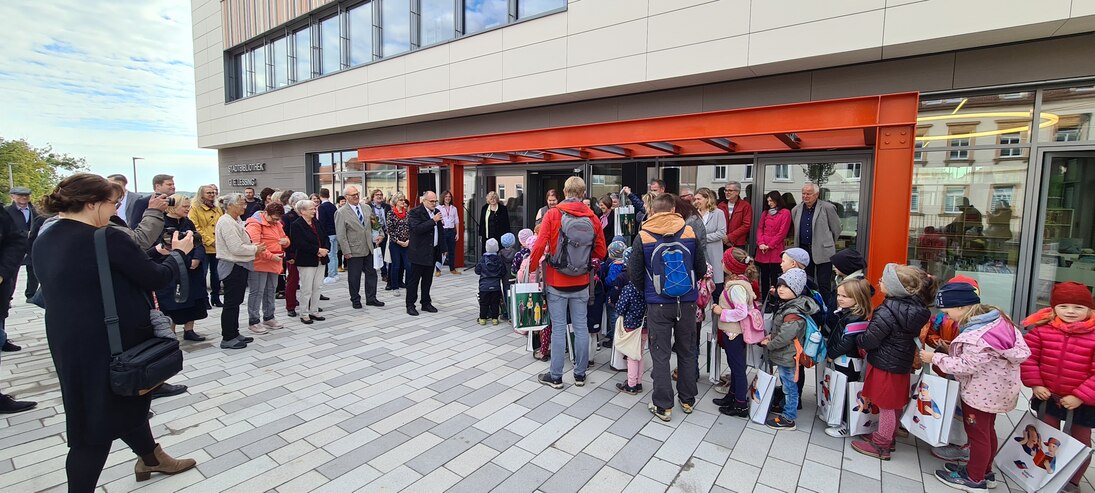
(1066, 224)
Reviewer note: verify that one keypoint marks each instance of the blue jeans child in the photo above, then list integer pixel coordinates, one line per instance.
(790, 392)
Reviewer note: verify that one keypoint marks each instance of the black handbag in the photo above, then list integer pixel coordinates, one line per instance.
(139, 369)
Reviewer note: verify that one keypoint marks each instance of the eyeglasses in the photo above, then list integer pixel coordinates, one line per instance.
(353, 195)
(733, 189)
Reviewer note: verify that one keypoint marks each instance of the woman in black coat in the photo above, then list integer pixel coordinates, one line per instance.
(65, 260)
(493, 220)
(194, 307)
(311, 245)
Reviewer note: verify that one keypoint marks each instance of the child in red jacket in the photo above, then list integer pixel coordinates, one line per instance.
(1061, 368)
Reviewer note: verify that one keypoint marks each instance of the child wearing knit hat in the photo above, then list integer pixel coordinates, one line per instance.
(610, 274)
(1062, 345)
(735, 304)
(985, 358)
(508, 252)
(492, 275)
(788, 326)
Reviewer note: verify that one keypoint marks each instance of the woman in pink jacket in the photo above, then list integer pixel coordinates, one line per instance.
(1061, 368)
(265, 229)
(985, 358)
(775, 222)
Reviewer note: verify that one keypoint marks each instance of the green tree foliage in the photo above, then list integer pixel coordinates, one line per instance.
(37, 168)
(819, 173)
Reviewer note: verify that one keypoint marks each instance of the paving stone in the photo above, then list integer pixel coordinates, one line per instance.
(635, 454)
(483, 479)
(850, 481)
(545, 412)
(372, 415)
(453, 425)
(574, 475)
(253, 435)
(362, 455)
(264, 446)
(428, 460)
(223, 463)
(526, 479)
(501, 440)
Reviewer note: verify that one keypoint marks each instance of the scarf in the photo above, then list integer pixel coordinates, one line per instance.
(1046, 316)
(207, 203)
(773, 211)
(399, 215)
(604, 219)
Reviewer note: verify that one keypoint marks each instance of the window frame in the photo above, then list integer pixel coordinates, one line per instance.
(776, 178)
(947, 189)
(724, 173)
(914, 200)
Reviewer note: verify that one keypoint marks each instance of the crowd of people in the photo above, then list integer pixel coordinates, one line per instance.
(689, 259)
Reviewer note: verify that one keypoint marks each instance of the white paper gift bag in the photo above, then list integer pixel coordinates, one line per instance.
(930, 414)
(1039, 457)
(832, 389)
(862, 415)
(761, 389)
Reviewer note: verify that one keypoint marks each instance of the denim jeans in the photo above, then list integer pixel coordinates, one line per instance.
(332, 257)
(558, 304)
(260, 297)
(449, 239)
(790, 391)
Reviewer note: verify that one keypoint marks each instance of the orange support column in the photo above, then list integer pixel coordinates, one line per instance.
(456, 180)
(412, 186)
(891, 194)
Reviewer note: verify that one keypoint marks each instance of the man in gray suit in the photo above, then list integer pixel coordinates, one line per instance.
(355, 239)
(817, 227)
(125, 207)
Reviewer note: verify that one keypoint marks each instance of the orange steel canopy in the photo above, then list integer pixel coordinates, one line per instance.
(820, 125)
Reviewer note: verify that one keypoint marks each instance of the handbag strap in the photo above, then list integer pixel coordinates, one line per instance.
(106, 284)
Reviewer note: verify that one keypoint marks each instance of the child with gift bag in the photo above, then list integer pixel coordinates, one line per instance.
(789, 327)
(890, 343)
(611, 272)
(985, 358)
(735, 302)
(508, 252)
(492, 275)
(631, 308)
(853, 301)
(1060, 368)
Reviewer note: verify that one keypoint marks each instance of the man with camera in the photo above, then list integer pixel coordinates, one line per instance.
(163, 186)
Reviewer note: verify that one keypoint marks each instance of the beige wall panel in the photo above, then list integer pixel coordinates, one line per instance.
(428, 103)
(710, 56)
(475, 71)
(393, 67)
(472, 96)
(434, 56)
(589, 15)
(428, 81)
(942, 19)
(476, 46)
(615, 41)
(698, 24)
(816, 39)
(663, 6)
(767, 14)
(534, 86)
(534, 58)
(388, 110)
(385, 90)
(610, 73)
(534, 31)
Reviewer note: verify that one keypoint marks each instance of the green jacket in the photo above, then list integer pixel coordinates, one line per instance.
(789, 324)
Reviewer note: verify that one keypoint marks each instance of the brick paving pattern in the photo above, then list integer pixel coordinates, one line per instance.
(376, 400)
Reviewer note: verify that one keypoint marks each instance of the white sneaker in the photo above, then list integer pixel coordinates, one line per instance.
(330, 280)
(273, 324)
(258, 329)
(837, 431)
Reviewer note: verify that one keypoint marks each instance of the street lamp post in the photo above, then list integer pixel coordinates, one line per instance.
(135, 173)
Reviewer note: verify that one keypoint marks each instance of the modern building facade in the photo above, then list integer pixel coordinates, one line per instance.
(383, 93)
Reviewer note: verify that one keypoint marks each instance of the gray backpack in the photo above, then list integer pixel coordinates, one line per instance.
(574, 252)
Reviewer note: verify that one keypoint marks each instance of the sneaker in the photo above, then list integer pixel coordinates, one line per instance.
(272, 324)
(627, 389)
(236, 343)
(960, 480)
(291, 313)
(481, 321)
(494, 322)
(737, 410)
(257, 329)
(306, 320)
(545, 378)
(330, 280)
(580, 380)
(778, 422)
(662, 414)
(990, 478)
(837, 431)
(871, 449)
(246, 339)
(722, 388)
(687, 407)
(952, 453)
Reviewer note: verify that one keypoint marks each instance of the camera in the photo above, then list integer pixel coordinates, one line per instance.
(170, 201)
(166, 238)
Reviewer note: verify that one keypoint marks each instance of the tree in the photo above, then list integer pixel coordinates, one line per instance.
(819, 173)
(37, 168)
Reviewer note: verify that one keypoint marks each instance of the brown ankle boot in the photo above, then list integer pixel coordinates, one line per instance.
(167, 465)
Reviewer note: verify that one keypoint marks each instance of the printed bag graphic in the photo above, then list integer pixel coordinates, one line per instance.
(625, 221)
(528, 307)
(862, 415)
(761, 389)
(1040, 457)
(930, 414)
(832, 390)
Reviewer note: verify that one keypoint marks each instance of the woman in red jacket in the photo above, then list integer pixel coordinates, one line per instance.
(774, 225)
(1061, 367)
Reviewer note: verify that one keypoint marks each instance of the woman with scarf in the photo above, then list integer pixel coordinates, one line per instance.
(399, 236)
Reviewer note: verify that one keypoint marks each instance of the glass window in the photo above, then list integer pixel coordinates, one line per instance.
(782, 172)
(978, 119)
(830, 177)
(528, 8)
(329, 46)
(1001, 196)
(249, 74)
(259, 61)
(243, 78)
(855, 171)
(720, 173)
(918, 154)
(279, 53)
(1066, 114)
(302, 55)
(480, 15)
(960, 154)
(438, 21)
(1068, 234)
(954, 199)
(361, 34)
(748, 173)
(914, 205)
(501, 192)
(395, 26)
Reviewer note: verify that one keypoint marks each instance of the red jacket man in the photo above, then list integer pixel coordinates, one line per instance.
(739, 222)
(549, 238)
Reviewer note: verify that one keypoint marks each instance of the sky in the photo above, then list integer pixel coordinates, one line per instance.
(107, 81)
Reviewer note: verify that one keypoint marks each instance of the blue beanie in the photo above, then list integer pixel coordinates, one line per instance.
(616, 249)
(954, 295)
(507, 240)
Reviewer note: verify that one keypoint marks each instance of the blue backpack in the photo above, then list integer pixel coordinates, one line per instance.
(812, 351)
(671, 266)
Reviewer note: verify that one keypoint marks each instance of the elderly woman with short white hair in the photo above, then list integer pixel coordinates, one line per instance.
(311, 245)
(236, 260)
(493, 220)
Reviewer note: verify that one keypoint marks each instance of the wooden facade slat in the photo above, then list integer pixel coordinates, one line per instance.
(246, 19)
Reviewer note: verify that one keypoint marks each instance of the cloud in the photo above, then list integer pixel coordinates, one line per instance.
(106, 81)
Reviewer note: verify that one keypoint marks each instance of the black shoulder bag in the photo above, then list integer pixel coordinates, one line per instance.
(141, 368)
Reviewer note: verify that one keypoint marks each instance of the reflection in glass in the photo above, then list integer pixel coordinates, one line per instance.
(480, 15)
(963, 223)
(280, 61)
(243, 61)
(259, 61)
(302, 54)
(329, 45)
(470, 211)
(989, 119)
(395, 22)
(840, 185)
(1068, 227)
(1074, 107)
(438, 21)
(361, 34)
(528, 8)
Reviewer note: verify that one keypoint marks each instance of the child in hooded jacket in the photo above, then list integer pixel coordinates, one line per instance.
(508, 252)
(853, 310)
(1061, 367)
(611, 272)
(890, 342)
(735, 302)
(492, 276)
(631, 307)
(789, 327)
(985, 358)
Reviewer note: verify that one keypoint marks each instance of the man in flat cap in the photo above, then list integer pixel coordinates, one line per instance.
(22, 215)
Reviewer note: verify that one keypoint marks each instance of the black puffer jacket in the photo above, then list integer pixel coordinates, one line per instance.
(891, 337)
(838, 343)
